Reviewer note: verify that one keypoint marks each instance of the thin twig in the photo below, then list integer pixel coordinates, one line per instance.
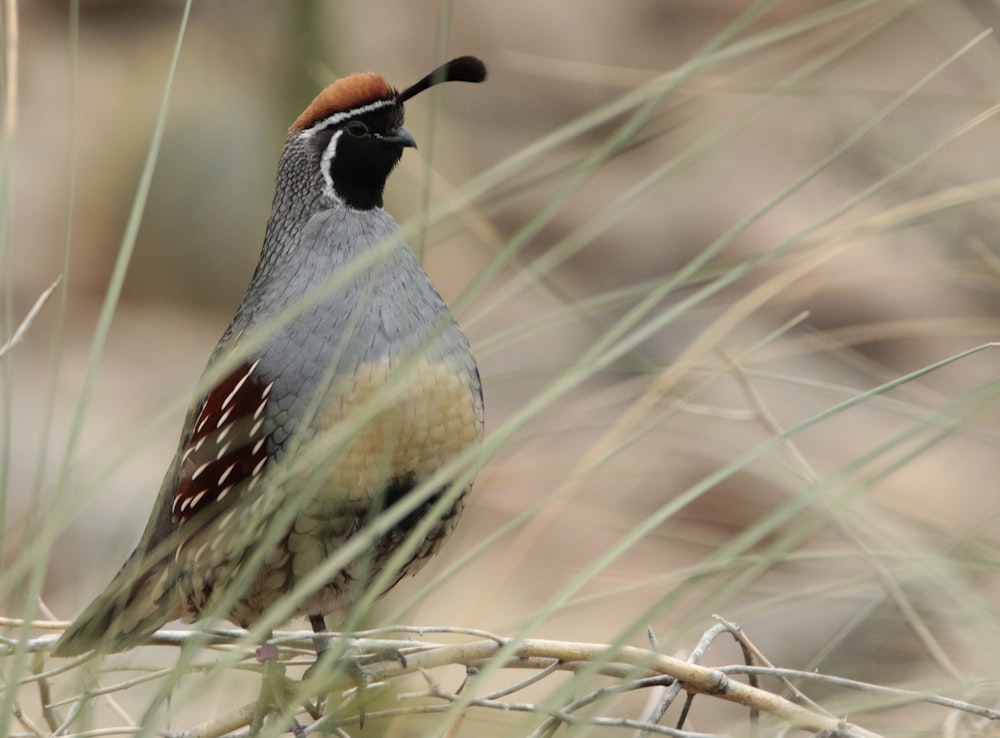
(518, 686)
(121, 730)
(758, 655)
(571, 708)
(49, 713)
(749, 657)
(27, 722)
(223, 725)
(568, 716)
(615, 671)
(60, 625)
(675, 689)
(117, 686)
(908, 694)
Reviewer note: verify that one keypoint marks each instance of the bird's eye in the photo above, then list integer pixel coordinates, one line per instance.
(357, 129)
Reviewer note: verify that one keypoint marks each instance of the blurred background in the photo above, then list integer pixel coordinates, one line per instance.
(797, 197)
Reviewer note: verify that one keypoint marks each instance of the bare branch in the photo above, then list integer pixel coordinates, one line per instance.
(377, 661)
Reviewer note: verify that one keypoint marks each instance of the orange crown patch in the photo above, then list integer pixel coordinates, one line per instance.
(349, 92)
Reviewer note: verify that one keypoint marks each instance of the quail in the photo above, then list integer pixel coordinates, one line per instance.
(348, 385)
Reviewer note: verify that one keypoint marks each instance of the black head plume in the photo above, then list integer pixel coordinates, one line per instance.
(459, 69)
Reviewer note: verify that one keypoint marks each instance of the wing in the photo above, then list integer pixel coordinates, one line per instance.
(227, 451)
(225, 454)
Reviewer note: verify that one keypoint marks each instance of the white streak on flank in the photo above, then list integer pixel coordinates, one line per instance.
(260, 465)
(223, 418)
(259, 410)
(231, 395)
(226, 473)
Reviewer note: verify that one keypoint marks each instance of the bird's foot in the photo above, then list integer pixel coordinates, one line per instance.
(331, 664)
(350, 665)
(327, 674)
(275, 691)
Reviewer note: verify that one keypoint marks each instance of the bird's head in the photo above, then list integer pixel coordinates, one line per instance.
(353, 131)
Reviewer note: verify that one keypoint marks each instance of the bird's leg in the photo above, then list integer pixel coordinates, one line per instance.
(322, 640)
(267, 655)
(322, 643)
(272, 689)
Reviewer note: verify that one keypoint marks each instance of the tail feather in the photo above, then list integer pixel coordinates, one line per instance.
(129, 611)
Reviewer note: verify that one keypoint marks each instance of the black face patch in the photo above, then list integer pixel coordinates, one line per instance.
(364, 156)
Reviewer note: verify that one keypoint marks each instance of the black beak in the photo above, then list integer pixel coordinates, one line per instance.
(402, 138)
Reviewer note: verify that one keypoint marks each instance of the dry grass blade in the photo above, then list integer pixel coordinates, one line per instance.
(22, 328)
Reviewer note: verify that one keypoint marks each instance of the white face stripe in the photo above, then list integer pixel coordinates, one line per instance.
(344, 115)
(324, 166)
